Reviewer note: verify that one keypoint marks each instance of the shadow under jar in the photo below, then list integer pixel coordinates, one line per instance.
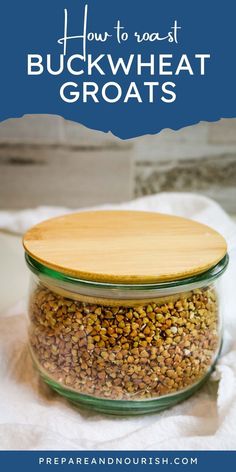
(125, 312)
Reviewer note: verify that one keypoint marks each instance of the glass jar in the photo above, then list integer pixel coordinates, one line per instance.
(124, 348)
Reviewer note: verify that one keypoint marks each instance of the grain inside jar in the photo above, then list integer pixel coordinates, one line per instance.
(120, 352)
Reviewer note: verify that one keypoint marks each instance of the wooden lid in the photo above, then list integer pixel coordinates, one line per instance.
(125, 246)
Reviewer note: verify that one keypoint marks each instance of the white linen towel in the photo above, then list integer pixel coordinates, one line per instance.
(32, 417)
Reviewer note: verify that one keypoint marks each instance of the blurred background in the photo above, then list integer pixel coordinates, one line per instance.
(46, 160)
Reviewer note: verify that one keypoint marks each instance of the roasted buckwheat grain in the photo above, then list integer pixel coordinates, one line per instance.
(119, 352)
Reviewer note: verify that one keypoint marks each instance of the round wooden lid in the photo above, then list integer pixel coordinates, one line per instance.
(125, 246)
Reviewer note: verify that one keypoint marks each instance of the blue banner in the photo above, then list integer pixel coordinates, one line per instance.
(128, 67)
(124, 460)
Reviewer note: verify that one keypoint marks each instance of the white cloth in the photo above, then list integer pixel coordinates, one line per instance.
(34, 417)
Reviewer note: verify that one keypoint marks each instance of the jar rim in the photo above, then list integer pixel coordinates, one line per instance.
(207, 276)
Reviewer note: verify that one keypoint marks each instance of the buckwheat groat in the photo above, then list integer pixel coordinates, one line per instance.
(125, 352)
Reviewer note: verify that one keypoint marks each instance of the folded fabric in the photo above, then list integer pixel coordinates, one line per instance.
(33, 417)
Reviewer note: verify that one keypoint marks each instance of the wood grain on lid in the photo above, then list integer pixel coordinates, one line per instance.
(125, 246)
